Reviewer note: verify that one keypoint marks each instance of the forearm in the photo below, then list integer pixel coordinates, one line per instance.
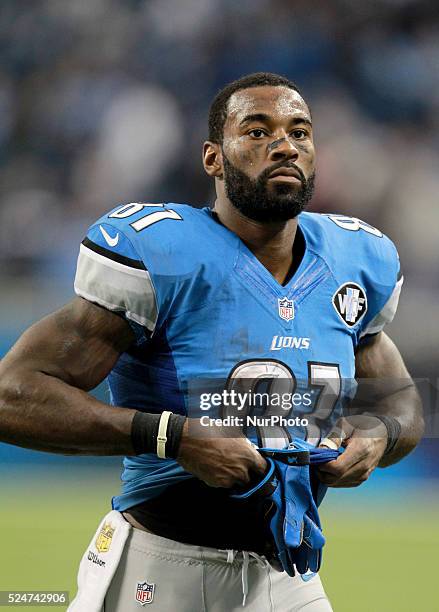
(42, 412)
(405, 406)
(386, 388)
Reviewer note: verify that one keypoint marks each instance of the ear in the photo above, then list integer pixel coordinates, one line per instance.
(213, 159)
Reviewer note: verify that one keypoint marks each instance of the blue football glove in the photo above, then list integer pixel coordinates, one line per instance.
(293, 516)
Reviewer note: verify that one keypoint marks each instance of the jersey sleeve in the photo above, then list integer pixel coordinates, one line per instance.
(366, 269)
(111, 273)
(384, 288)
(387, 312)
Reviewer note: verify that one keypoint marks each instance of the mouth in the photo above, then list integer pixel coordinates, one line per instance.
(285, 175)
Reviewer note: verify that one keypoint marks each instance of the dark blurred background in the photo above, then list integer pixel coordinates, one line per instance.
(106, 101)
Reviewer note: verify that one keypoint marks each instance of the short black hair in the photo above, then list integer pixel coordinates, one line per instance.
(218, 108)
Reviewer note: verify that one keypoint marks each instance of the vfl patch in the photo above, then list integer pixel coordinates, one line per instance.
(145, 592)
(103, 541)
(286, 308)
(350, 302)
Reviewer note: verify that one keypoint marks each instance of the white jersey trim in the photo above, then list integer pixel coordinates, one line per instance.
(116, 286)
(386, 314)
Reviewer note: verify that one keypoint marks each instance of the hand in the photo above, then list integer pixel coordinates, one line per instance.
(365, 440)
(217, 458)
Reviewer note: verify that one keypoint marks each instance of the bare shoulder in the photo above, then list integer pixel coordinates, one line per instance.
(86, 320)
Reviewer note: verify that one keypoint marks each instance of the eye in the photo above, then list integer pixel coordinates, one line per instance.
(257, 133)
(299, 134)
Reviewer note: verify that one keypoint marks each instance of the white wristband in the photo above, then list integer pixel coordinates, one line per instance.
(161, 436)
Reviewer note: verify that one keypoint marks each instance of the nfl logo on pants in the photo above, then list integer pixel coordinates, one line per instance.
(145, 592)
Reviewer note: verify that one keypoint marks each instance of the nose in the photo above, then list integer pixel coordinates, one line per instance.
(282, 149)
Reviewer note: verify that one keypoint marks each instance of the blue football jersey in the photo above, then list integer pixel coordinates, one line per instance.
(204, 308)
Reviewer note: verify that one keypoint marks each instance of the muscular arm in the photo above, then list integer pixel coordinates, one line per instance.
(391, 391)
(44, 402)
(386, 388)
(45, 377)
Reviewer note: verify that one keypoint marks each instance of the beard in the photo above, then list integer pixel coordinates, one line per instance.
(255, 200)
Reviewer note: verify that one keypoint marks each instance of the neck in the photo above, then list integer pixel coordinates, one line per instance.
(271, 243)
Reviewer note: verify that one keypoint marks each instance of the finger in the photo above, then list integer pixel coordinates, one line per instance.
(345, 485)
(211, 483)
(355, 451)
(332, 443)
(261, 463)
(355, 476)
(345, 481)
(338, 434)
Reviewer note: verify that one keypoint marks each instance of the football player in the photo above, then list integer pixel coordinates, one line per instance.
(171, 298)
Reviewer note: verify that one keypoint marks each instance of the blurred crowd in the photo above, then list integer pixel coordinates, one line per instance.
(105, 101)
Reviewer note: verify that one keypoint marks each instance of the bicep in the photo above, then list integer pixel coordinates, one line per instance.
(380, 371)
(79, 344)
(380, 358)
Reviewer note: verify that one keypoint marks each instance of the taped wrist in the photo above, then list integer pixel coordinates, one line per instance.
(144, 432)
(393, 427)
(174, 433)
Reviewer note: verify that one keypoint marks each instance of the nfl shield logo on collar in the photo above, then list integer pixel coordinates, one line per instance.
(286, 308)
(145, 592)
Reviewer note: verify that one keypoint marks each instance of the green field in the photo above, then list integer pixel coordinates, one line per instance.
(371, 564)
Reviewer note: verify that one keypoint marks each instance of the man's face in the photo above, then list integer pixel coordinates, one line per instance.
(268, 153)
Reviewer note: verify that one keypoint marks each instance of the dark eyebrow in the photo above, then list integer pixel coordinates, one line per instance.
(266, 118)
(255, 117)
(298, 120)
